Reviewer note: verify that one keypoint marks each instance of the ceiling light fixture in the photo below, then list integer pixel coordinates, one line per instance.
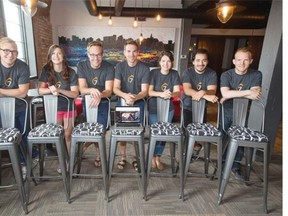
(110, 18)
(158, 17)
(29, 7)
(225, 10)
(100, 17)
(135, 23)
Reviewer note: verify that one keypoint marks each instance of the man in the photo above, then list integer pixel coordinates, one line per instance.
(236, 83)
(131, 85)
(96, 77)
(199, 81)
(14, 82)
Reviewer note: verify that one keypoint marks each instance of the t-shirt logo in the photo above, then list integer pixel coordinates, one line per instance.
(131, 78)
(58, 84)
(164, 86)
(8, 82)
(240, 86)
(199, 86)
(94, 80)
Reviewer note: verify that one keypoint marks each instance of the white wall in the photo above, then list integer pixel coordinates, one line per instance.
(75, 13)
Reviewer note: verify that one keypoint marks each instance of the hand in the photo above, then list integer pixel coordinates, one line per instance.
(94, 102)
(255, 94)
(166, 94)
(53, 90)
(211, 98)
(198, 95)
(130, 99)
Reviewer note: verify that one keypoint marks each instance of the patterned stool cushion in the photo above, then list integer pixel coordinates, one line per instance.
(203, 129)
(47, 130)
(8, 134)
(89, 129)
(128, 132)
(245, 133)
(165, 128)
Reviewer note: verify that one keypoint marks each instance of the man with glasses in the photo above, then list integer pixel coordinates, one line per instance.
(14, 82)
(95, 77)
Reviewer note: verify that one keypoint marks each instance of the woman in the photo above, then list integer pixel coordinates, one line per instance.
(165, 83)
(57, 78)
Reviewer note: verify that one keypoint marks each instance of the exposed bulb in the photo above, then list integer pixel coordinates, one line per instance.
(110, 21)
(158, 17)
(100, 17)
(135, 23)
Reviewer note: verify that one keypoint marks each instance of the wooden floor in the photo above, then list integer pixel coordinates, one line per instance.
(47, 198)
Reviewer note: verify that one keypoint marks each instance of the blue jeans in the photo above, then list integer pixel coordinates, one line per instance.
(228, 119)
(103, 109)
(160, 145)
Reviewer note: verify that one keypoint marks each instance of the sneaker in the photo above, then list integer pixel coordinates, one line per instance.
(24, 171)
(196, 153)
(237, 174)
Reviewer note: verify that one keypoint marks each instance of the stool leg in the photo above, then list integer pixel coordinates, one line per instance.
(219, 159)
(61, 157)
(14, 156)
(71, 163)
(181, 168)
(231, 152)
(102, 150)
(142, 163)
(111, 159)
(151, 148)
(265, 176)
(207, 147)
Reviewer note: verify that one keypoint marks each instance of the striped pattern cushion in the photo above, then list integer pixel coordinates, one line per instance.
(47, 130)
(8, 134)
(203, 129)
(89, 129)
(246, 134)
(165, 128)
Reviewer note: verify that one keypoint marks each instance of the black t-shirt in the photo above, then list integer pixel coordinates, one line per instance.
(62, 84)
(11, 78)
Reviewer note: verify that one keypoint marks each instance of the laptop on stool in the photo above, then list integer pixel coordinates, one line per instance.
(127, 117)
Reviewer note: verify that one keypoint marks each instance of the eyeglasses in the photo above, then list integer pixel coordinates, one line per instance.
(7, 51)
(92, 55)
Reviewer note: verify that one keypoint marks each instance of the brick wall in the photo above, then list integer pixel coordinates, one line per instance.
(42, 34)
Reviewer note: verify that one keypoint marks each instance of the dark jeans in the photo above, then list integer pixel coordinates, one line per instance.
(228, 119)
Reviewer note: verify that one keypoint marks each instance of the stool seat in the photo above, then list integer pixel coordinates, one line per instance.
(203, 129)
(129, 132)
(46, 130)
(8, 134)
(89, 129)
(165, 128)
(247, 134)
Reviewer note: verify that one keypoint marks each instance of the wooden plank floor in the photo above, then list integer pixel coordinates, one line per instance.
(47, 198)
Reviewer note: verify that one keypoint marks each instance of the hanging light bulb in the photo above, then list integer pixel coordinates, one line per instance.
(100, 17)
(29, 7)
(110, 21)
(135, 23)
(158, 17)
(141, 38)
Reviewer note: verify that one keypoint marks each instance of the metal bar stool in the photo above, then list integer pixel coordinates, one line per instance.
(135, 135)
(10, 140)
(249, 137)
(165, 131)
(90, 131)
(199, 131)
(49, 132)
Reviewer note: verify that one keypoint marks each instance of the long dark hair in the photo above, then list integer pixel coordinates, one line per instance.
(50, 69)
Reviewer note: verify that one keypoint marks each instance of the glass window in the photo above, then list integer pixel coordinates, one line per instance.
(19, 27)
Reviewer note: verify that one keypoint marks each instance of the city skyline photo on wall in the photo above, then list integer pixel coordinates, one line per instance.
(74, 40)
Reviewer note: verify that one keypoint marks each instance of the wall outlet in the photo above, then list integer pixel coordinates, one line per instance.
(183, 57)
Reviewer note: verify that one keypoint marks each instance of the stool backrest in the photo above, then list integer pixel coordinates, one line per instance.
(7, 111)
(198, 110)
(162, 109)
(240, 108)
